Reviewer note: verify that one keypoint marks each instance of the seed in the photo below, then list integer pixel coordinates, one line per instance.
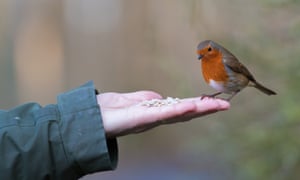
(160, 102)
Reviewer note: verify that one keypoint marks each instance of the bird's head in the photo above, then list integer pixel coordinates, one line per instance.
(207, 48)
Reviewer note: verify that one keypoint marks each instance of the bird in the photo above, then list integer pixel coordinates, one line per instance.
(224, 72)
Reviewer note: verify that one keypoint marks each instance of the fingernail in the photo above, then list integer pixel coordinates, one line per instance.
(223, 104)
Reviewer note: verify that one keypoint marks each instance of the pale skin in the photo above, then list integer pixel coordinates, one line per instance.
(123, 114)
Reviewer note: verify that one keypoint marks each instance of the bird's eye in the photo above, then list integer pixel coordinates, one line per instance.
(209, 49)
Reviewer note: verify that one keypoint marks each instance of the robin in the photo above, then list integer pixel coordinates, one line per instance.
(223, 71)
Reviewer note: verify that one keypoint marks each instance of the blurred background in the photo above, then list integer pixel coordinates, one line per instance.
(50, 46)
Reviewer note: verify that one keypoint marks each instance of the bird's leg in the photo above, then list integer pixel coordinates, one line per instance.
(210, 95)
(232, 95)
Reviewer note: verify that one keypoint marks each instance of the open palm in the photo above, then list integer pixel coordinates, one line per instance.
(123, 113)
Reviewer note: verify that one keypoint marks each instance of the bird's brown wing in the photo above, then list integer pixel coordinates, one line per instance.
(233, 63)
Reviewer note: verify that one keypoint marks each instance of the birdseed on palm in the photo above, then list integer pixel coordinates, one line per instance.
(160, 102)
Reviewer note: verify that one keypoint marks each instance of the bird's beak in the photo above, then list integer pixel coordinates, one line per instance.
(200, 56)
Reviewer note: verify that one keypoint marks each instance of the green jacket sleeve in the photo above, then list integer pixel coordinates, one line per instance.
(63, 141)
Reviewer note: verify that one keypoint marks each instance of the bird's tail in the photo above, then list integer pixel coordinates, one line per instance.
(263, 89)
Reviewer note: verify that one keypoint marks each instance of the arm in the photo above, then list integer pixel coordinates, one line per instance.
(76, 137)
(63, 141)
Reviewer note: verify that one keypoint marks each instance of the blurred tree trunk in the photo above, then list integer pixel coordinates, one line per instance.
(7, 88)
(38, 52)
(97, 34)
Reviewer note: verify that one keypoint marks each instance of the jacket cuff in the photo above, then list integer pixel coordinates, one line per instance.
(82, 132)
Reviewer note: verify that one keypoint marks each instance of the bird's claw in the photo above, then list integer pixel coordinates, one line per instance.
(210, 95)
(203, 96)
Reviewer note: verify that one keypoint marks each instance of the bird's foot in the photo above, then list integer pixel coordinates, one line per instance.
(210, 95)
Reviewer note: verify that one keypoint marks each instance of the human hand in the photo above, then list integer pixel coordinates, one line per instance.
(124, 114)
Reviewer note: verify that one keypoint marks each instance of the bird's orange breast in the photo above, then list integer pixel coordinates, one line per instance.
(213, 68)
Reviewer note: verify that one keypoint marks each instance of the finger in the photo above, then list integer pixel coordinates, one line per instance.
(207, 106)
(213, 103)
